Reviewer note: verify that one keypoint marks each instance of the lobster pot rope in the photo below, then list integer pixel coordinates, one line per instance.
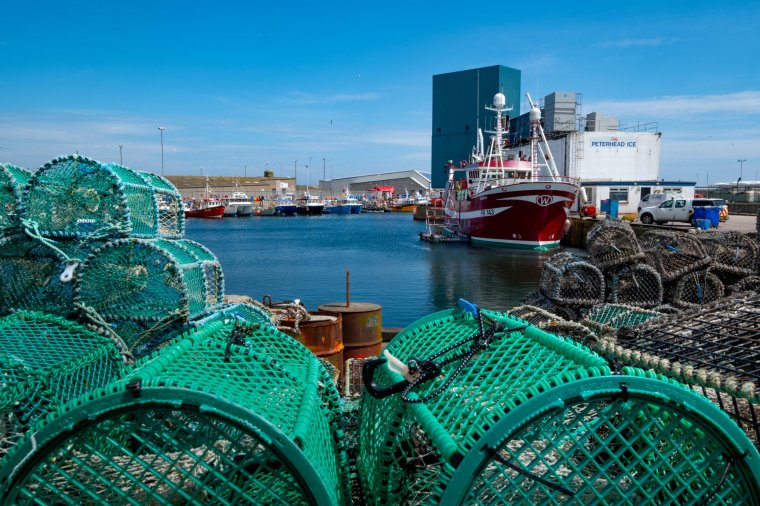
(30, 277)
(612, 243)
(76, 197)
(731, 252)
(143, 288)
(211, 419)
(47, 361)
(637, 284)
(695, 289)
(673, 254)
(533, 418)
(13, 179)
(568, 279)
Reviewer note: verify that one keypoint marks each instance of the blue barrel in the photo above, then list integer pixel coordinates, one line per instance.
(613, 212)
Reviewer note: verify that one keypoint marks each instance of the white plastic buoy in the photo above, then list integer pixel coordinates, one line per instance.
(68, 273)
(397, 366)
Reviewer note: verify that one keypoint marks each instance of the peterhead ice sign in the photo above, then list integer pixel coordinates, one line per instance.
(614, 142)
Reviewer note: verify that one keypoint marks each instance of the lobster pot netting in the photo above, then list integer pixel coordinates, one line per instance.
(74, 196)
(695, 289)
(638, 285)
(552, 322)
(745, 284)
(607, 319)
(731, 252)
(210, 419)
(142, 288)
(534, 418)
(611, 243)
(45, 361)
(13, 179)
(30, 277)
(568, 279)
(249, 314)
(673, 254)
(714, 348)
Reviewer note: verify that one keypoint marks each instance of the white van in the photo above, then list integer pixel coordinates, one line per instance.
(655, 199)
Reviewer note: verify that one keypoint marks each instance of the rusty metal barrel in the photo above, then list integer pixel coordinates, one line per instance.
(322, 333)
(362, 327)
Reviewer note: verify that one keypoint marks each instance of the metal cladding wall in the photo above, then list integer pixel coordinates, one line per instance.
(458, 109)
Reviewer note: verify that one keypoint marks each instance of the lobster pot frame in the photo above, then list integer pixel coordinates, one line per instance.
(694, 347)
(142, 288)
(568, 279)
(638, 285)
(247, 314)
(210, 419)
(535, 418)
(746, 284)
(696, 289)
(673, 254)
(76, 197)
(611, 243)
(551, 322)
(608, 319)
(30, 277)
(731, 252)
(13, 179)
(46, 361)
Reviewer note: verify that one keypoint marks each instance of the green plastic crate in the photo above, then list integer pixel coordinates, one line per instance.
(214, 418)
(537, 419)
(46, 361)
(76, 197)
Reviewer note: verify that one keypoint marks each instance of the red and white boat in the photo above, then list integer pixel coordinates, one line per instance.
(205, 207)
(508, 201)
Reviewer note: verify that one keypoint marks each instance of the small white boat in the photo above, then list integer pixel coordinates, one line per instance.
(238, 205)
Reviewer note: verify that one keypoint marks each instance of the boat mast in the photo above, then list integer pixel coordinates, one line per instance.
(536, 138)
(496, 142)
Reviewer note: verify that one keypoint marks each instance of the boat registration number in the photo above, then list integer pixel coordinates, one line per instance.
(487, 212)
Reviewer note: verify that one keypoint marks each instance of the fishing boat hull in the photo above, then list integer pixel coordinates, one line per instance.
(286, 210)
(263, 211)
(310, 209)
(528, 215)
(205, 212)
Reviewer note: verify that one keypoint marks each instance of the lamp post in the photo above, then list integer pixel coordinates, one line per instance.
(737, 188)
(121, 160)
(324, 174)
(161, 129)
(741, 166)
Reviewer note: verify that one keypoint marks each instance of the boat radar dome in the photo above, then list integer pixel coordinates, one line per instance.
(535, 113)
(499, 101)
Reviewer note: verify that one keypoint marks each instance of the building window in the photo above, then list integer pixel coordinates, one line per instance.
(672, 190)
(619, 194)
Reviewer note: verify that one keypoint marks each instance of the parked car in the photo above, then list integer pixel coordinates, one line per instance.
(675, 209)
(655, 199)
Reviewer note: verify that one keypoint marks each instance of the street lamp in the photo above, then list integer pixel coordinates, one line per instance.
(741, 166)
(121, 160)
(161, 129)
(737, 188)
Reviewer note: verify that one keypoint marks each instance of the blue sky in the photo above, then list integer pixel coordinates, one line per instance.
(245, 86)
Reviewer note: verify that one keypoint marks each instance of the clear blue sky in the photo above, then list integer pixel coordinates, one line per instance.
(263, 84)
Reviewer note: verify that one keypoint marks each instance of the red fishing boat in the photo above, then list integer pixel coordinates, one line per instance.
(207, 206)
(509, 200)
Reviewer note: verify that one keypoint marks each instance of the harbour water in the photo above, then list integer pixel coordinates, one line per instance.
(306, 257)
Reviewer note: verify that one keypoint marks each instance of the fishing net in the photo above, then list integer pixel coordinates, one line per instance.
(74, 196)
(611, 243)
(45, 361)
(731, 252)
(673, 254)
(554, 323)
(713, 348)
(607, 319)
(531, 418)
(30, 277)
(143, 289)
(637, 284)
(568, 279)
(746, 284)
(695, 289)
(12, 182)
(211, 419)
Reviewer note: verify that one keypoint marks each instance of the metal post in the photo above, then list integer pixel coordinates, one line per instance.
(161, 129)
(121, 160)
(741, 166)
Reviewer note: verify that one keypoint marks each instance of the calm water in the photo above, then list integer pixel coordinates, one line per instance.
(306, 257)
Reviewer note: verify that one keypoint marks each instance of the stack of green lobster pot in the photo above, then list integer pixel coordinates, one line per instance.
(476, 407)
(127, 378)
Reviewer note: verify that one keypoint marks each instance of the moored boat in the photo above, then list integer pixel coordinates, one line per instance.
(514, 202)
(238, 205)
(349, 204)
(207, 206)
(310, 204)
(285, 206)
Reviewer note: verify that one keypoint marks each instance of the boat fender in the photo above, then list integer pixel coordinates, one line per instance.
(68, 273)
(567, 225)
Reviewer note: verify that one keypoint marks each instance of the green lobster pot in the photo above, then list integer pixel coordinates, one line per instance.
(30, 277)
(143, 288)
(531, 418)
(47, 361)
(212, 419)
(13, 179)
(247, 314)
(77, 197)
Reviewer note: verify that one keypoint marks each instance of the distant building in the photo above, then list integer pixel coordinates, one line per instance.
(405, 181)
(458, 100)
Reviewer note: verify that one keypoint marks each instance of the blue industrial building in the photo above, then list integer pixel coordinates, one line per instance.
(458, 110)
